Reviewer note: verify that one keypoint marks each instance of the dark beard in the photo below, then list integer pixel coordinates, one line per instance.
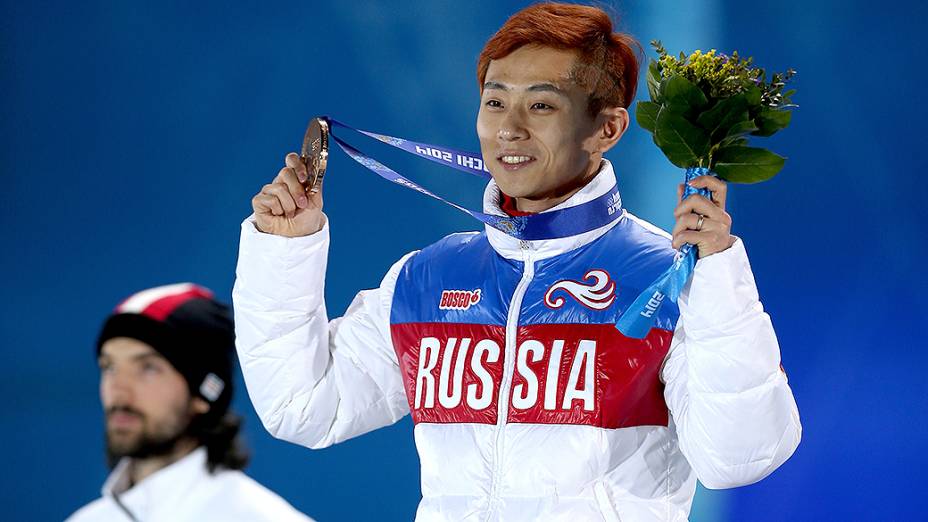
(151, 442)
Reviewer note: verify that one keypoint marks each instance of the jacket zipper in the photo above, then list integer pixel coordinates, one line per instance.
(502, 406)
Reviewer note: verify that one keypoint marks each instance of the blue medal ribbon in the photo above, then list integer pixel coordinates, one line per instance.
(637, 320)
(457, 159)
(547, 225)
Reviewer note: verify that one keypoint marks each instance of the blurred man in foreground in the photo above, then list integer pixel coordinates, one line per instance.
(165, 357)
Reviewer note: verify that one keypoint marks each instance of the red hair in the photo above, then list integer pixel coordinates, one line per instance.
(607, 65)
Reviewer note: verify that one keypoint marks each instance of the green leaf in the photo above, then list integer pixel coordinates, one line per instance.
(723, 116)
(668, 110)
(753, 95)
(728, 142)
(740, 129)
(646, 114)
(770, 121)
(654, 81)
(683, 143)
(683, 95)
(739, 164)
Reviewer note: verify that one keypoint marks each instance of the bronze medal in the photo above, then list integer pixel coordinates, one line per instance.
(315, 153)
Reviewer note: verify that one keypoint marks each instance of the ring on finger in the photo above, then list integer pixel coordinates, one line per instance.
(699, 223)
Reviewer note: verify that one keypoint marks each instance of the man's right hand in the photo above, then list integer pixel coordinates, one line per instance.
(284, 207)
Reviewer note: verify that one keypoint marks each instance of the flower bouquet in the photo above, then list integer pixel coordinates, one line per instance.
(703, 109)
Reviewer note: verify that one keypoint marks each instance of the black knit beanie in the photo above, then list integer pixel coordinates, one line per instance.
(190, 329)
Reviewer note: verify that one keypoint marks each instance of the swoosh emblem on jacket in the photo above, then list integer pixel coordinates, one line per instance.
(599, 295)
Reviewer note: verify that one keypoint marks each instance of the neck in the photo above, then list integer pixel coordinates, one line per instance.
(561, 194)
(140, 469)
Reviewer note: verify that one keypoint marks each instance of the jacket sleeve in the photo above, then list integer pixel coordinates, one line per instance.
(313, 382)
(735, 415)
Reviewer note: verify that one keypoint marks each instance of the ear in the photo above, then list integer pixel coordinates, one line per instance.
(612, 122)
(198, 405)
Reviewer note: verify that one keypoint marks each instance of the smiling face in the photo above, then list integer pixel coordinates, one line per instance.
(146, 401)
(539, 141)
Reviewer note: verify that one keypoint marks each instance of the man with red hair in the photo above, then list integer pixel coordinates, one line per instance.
(528, 403)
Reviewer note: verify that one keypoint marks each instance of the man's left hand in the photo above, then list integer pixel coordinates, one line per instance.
(701, 221)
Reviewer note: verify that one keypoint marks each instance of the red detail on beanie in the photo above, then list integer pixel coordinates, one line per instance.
(159, 310)
(159, 303)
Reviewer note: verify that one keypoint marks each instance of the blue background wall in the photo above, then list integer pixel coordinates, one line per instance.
(132, 137)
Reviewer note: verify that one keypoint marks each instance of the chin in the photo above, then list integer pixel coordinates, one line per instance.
(511, 184)
(122, 446)
(513, 191)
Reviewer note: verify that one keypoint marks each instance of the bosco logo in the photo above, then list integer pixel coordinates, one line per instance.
(459, 299)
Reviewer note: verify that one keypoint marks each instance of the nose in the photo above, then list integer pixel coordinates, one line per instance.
(512, 128)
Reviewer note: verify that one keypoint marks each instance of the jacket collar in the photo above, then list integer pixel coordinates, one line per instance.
(161, 487)
(512, 248)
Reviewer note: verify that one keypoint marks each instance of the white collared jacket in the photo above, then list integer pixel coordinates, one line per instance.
(185, 491)
(528, 404)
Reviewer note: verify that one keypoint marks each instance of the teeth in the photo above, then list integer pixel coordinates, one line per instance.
(515, 159)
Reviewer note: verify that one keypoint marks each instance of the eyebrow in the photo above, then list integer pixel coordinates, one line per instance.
(149, 355)
(547, 87)
(538, 87)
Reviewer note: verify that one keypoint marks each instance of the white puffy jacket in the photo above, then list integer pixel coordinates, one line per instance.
(527, 403)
